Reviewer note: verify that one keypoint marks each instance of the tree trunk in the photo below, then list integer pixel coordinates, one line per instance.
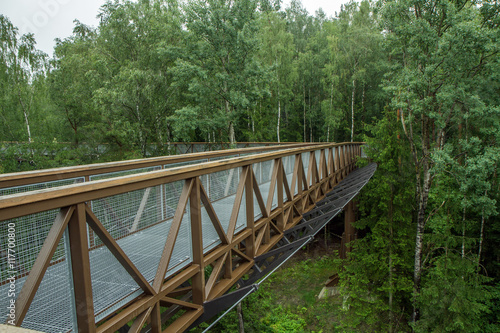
(481, 236)
(304, 112)
(232, 139)
(419, 241)
(253, 123)
(27, 126)
(229, 111)
(25, 113)
(352, 109)
(279, 103)
(279, 116)
(463, 232)
(331, 115)
(391, 235)
(310, 120)
(240, 318)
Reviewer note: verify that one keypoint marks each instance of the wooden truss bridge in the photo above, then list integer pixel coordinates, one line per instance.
(162, 244)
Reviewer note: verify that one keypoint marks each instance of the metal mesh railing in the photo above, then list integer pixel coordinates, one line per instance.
(139, 221)
(30, 234)
(40, 186)
(288, 165)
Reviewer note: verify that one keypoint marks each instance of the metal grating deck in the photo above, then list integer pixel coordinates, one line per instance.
(52, 309)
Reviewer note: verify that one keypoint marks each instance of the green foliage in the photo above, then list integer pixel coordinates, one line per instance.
(376, 281)
(454, 298)
(35, 156)
(420, 78)
(441, 61)
(287, 300)
(282, 320)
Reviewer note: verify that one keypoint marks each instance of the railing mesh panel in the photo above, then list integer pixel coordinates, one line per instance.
(30, 233)
(263, 173)
(128, 212)
(223, 183)
(305, 163)
(222, 194)
(51, 308)
(288, 165)
(40, 186)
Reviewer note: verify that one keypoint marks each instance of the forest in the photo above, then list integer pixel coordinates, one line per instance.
(417, 80)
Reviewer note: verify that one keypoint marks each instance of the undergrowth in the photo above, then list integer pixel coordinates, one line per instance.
(288, 300)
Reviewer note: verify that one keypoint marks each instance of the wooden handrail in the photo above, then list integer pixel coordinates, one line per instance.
(47, 175)
(21, 204)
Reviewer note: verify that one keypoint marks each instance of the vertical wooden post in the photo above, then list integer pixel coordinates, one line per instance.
(279, 184)
(343, 161)
(337, 164)
(80, 266)
(299, 170)
(228, 267)
(250, 241)
(156, 319)
(197, 243)
(90, 231)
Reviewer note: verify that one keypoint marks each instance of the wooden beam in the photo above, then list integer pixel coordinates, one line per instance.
(213, 216)
(279, 183)
(215, 275)
(272, 186)
(140, 321)
(198, 280)
(237, 203)
(47, 175)
(249, 193)
(156, 318)
(117, 252)
(258, 196)
(80, 266)
(17, 205)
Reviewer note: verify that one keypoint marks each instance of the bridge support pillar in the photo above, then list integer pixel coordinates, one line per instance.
(349, 230)
(348, 235)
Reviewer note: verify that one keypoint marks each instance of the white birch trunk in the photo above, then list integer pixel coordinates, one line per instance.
(331, 115)
(304, 113)
(253, 123)
(279, 116)
(27, 125)
(481, 237)
(352, 109)
(231, 133)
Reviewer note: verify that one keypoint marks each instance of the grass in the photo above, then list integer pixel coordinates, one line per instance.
(288, 300)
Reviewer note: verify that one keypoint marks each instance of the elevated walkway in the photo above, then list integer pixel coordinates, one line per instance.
(165, 246)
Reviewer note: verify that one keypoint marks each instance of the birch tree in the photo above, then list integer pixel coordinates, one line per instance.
(21, 64)
(276, 52)
(221, 59)
(440, 51)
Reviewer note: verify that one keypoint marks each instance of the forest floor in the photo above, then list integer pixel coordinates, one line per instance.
(288, 300)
